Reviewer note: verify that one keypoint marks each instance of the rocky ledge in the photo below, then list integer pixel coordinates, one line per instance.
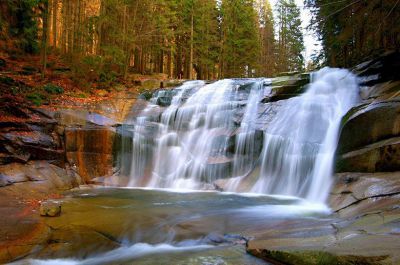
(364, 227)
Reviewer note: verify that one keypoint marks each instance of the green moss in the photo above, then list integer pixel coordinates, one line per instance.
(319, 258)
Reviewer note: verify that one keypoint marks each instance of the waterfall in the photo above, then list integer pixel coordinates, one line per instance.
(191, 136)
(300, 143)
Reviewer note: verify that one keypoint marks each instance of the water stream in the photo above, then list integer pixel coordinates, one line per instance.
(211, 132)
(148, 226)
(186, 140)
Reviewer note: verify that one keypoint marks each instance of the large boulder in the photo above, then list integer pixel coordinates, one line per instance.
(369, 138)
(369, 124)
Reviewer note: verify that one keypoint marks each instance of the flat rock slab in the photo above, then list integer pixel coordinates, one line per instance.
(364, 228)
(22, 228)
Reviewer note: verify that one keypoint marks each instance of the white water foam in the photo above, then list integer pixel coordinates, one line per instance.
(300, 144)
(120, 254)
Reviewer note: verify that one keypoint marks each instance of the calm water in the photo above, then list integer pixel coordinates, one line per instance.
(167, 227)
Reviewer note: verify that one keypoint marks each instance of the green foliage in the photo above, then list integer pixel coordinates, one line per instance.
(291, 43)
(24, 27)
(240, 41)
(7, 80)
(53, 89)
(350, 31)
(36, 98)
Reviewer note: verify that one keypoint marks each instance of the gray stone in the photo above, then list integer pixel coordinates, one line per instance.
(4, 181)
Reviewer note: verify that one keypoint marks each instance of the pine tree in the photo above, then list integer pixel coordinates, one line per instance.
(290, 43)
(267, 58)
(206, 39)
(353, 30)
(240, 43)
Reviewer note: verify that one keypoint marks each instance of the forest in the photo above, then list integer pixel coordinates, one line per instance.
(194, 39)
(187, 39)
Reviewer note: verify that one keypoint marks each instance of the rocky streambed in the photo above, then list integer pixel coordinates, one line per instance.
(44, 154)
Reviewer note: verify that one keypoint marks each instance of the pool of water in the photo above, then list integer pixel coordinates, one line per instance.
(143, 226)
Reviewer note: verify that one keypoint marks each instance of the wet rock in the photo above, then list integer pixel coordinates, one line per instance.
(266, 114)
(74, 118)
(361, 187)
(216, 238)
(383, 156)
(163, 98)
(4, 181)
(379, 121)
(384, 68)
(286, 87)
(381, 91)
(375, 146)
(50, 209)
(75, 241)
(90, 150)
(22, 230)
(217, 167)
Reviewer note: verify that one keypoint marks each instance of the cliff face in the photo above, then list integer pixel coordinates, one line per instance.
(369, 140)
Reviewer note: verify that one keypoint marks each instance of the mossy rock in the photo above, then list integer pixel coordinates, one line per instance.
(285, 87)
(314, 258)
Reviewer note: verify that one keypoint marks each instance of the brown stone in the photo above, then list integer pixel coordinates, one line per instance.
(50, 208)
(90, 150)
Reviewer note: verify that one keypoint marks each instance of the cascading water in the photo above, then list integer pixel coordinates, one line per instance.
(209, 132)
(192, 141)
(300, 143)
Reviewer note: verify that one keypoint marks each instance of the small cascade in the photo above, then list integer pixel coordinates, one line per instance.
(300, 143)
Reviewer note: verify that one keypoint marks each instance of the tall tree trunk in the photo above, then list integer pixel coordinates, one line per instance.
(45, 29)
(55, 13)
(191, 45)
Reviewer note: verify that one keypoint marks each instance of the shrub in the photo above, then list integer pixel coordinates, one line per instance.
(36, 98)
(53, 89)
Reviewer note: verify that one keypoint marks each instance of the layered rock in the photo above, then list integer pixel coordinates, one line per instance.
(28, 134)
(287, 86)
(364, 226)
(369, 135)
